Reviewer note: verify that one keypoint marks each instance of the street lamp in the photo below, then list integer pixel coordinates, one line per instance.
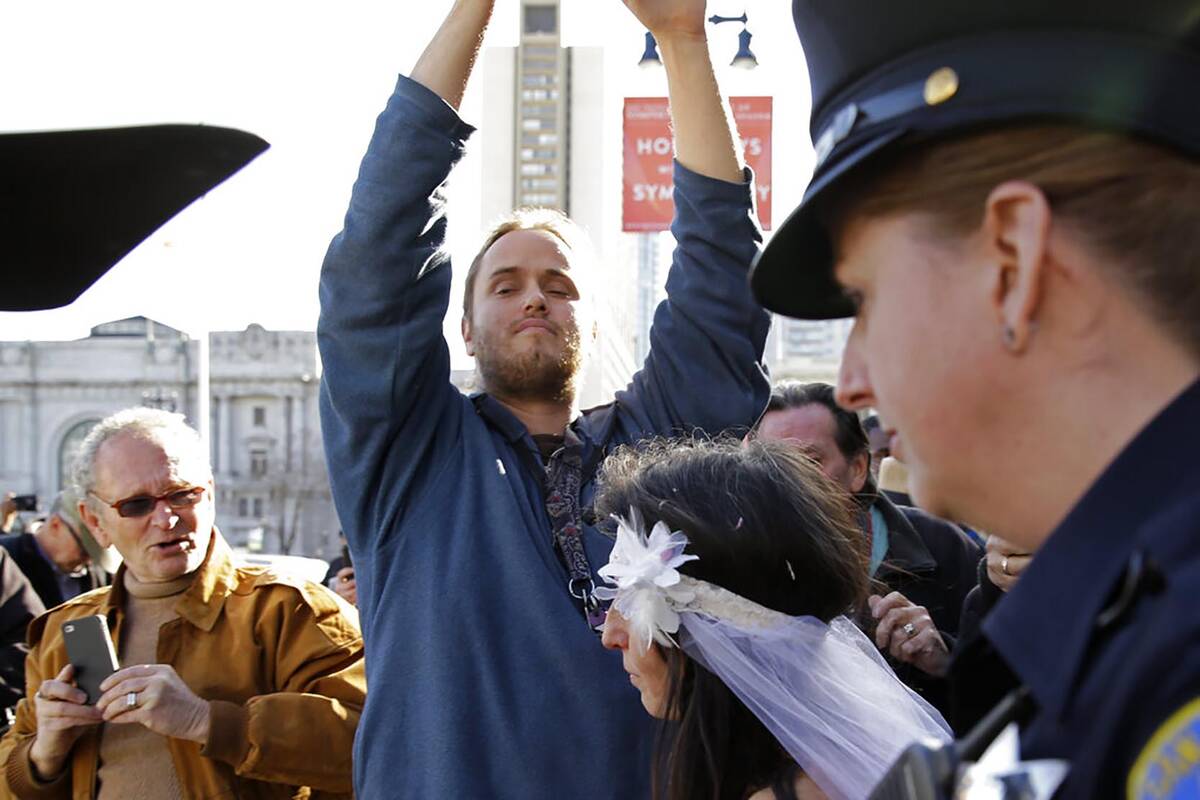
(650, 56)
(744, 59)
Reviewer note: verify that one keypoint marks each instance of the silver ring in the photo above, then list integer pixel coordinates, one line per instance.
(910, 629)
(131, 700)
(1004, 565)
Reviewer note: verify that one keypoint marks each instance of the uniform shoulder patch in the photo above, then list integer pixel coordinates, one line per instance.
(1168, 767)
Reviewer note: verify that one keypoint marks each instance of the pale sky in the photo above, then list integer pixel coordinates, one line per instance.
(309, 78)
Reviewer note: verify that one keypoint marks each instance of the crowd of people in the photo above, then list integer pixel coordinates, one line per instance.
(711, 587)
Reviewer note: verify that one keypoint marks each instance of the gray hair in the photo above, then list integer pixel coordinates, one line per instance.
(168, 430)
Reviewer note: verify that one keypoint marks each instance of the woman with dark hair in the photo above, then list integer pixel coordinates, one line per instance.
(729, 619)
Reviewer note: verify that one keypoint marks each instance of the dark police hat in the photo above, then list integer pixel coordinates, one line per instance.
(889, 73)
(73, 203)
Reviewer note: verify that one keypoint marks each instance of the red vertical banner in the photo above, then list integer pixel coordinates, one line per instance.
(752, 116)
(648, 203)
(648, 190)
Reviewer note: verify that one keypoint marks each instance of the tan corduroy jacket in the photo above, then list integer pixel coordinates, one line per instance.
(279, 659)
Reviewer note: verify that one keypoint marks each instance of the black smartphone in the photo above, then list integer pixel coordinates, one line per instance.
(346, 556)
(25, 502)
(90, 650)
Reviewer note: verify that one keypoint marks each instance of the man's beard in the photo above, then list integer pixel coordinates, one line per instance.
(532, 374)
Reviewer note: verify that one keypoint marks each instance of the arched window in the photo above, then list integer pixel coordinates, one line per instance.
(69, 449)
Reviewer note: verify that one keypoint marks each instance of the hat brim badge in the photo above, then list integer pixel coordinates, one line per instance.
(940, 86)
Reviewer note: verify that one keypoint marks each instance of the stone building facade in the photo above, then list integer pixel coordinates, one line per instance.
(272, 487)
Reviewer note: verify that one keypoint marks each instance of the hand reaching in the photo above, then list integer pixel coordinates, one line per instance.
(907, 632)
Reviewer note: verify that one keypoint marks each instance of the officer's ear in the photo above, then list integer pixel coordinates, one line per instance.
(1016, 234)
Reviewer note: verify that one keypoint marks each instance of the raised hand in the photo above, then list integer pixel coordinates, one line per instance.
(704, 138)
(449, 59)
(665, 18)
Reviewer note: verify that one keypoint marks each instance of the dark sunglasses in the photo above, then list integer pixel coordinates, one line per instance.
(142, 504)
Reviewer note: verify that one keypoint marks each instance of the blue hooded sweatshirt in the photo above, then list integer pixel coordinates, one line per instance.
(484, 679)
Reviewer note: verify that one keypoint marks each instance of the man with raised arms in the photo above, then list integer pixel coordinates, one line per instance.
(469, 517)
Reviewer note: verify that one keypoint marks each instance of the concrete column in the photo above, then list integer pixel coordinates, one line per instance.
(224, 465)
(35, 426)
(203, 391)
(230, 434)
(214, 431)
(289, 425)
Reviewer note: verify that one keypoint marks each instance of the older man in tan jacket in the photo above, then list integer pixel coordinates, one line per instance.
(235, 681)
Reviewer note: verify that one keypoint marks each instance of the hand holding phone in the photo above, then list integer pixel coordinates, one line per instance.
(90, 650)
(25, 502)
(62, 717)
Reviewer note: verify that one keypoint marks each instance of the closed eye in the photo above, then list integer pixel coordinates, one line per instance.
(561, 288)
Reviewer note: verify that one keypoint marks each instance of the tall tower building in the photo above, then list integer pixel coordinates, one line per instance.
(542, 132)
(550, 136)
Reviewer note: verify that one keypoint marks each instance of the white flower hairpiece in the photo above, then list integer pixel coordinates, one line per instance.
(649, 591)
(644, 572)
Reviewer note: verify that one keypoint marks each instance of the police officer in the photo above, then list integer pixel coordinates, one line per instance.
(1007, 200)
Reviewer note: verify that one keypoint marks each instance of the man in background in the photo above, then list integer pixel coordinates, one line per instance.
(927, 564)
(60, 556)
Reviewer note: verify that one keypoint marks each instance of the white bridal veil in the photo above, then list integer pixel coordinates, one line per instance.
(822, 690)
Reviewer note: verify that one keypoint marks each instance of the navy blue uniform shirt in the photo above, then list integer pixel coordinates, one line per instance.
(1118, 701)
